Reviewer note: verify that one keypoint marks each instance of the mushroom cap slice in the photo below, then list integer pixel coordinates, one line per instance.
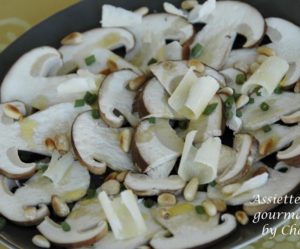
(28, 80)
(227, 158)
(152, 101)
(114, 96)
(291, 155)
(39, 189)
(285, 37)
(243, 145)
(15, 210)
(154, 144)
(144, 185)
(30, 134)
(98, 146)
(217, 39)
(279, 105)
(73, 238)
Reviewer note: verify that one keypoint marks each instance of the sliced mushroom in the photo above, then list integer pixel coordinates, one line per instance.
(115, 97)
(152, 101)
(97, 43)
(188, 229)
(28, 81)
(144, 185)
(285, 37)
(292, 118)
(39, 189)
(291, 155)
(30, 134)
(242, 144)
(217, 40)
(73, 238)
(227, 159)
(170, 73)
(15, 210)
(276, 139)
(208, 125)
(155, 144)
(279, 105)
(97, 145)
(230, 75)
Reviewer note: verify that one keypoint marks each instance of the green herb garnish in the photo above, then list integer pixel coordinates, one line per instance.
(264, 106)
(90, 98)
(152, 61)
(251, 100)
(95, 114)
(228, 114)
(91, 193)
(199, 209)
(240, 79)
(278, 90)
(79, 103)
(229, 101)
(90, 60)
(267, 128)
(152, 120)
(213, 183)
(210, 109)
(239, 113)
(196, 51)
(65, 226)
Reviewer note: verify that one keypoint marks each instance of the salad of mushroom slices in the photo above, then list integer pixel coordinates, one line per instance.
(152, 145)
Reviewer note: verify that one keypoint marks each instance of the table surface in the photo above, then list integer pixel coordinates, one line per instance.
(18, 16)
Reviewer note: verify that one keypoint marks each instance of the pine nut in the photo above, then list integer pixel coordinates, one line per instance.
(230, 188)
(266, 146)
(209, 207)
(166, 199)
(228, 91)
(50, 144)
(242, 217)
(125, 138)
(197, 64)
(189, 4)
(59, 206)
(259, 171)
(220, 205)
(62, 143)
(191, 189)
(136, 83)
(111, 187)
(30, 213)
(265, 51)
(72, 39)
(121, 176)
(40, 241)
(111, 176)
(242, 101)
(142, 11)
(12, 111)
(112, 66)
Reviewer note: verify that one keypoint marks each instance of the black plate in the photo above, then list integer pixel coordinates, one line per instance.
(86, 15)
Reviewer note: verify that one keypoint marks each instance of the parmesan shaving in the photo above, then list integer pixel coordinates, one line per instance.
(268, 75)
(193, 94)
(200, 162)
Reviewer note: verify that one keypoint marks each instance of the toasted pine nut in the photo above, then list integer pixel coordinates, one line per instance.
(189, 4)
(111, 187)
(50, 144)
(12, 111)
(112, 65)
(62, 143)
(30, 213)
(40, 241)
(72, 39)
(209, 207)
(59, 206)
(142, 11)
(230, 188)
(265, 51)
(242, 101)
(259, 171)
(191, 189)
(111, 176)
(266, 146)
(220, 205)
(121, 176)
(197, 64)
(125, 138)
(166, 199)
(228, 91)
(136, 83)
(242, 217)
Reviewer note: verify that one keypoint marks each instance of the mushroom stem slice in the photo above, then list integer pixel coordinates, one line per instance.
(291, 155)
(73, 238)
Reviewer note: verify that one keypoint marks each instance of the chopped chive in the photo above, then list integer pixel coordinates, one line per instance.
(199, 209)
(95, 114)
(183, 124)
(251, 100)
(152, 120)
(196, 51)
(65, 226)
(2, 223)
(239, 113)
(152, 61)
(213, 183)
(278, 90)
(264, 106)
(149, 203)
(236, 95)
(228, 114)
(210, 109)
(267, 128)
(240, 79)
(91, 193)
(79, 103)
(90, 98)
(90, 60)
(229, 101)
(257, 91)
